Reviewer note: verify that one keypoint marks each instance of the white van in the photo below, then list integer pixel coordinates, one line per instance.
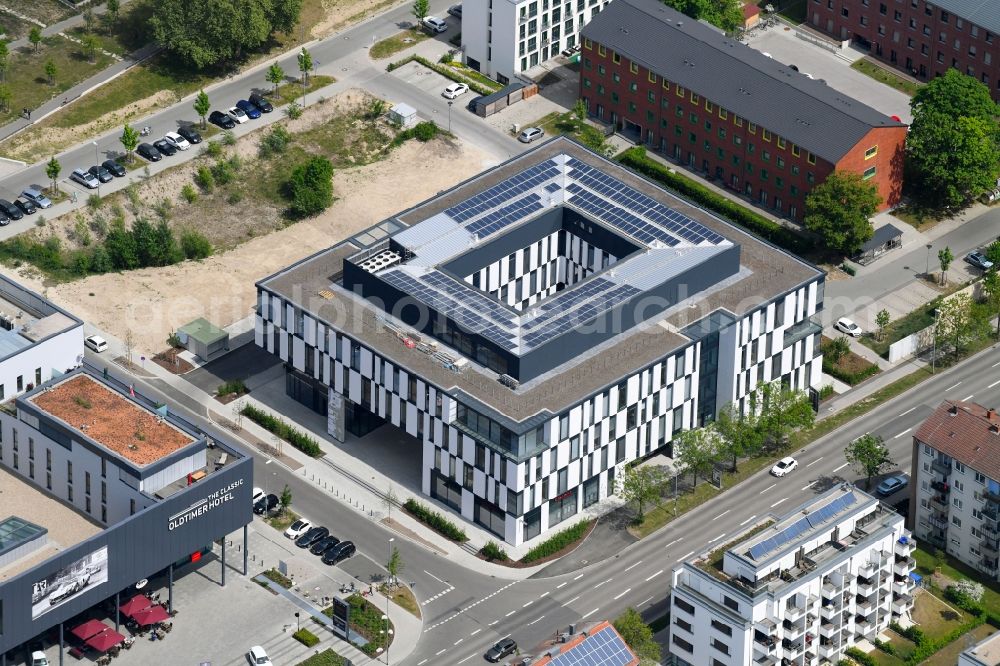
(96, 343)
(39, 659)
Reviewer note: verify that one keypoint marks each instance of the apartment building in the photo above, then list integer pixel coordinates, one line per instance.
(502, 38)
(920, 38)
(984, 653)
(955, 484)
(798, 589)
(742, 119)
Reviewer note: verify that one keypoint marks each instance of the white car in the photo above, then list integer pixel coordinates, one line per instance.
(96, 343)
(258, 657)
(435, 24)
(455, 90)
(176, 140)
(238, 114)
(784, 466)
(258, 494)
(38, 658)
(845, 325)
(298, 528)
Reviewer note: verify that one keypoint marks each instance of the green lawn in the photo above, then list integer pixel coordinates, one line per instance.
(956, 571)
(935, 617)
(887, 77)
(568, 124)
(325, 658)
(915, 321)
(795, 11)
(948, 656)
(473, 75)
(12, 27)
(396, 43)
(292, 91)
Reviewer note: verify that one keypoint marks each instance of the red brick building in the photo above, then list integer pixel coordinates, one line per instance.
(710, 102)
(921, 38)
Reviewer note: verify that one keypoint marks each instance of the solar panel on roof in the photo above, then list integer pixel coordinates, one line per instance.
(604, 648)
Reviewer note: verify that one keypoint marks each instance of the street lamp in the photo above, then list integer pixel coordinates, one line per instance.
(937, 313)
(97, 160)
(450, 102)
(927, 271)
(269, 461)
(312, 70)
(388, 632)
(391, 539)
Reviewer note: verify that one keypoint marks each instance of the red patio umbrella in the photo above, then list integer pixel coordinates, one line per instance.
(88, 629)
(134, 605)
(105, 640)
(151, 615)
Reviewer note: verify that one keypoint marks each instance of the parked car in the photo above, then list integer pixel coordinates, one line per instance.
(503, 648)
(223, 120)
(176, 140)
(248, 108)
(10, 210)
(147, 151)
(979, 260)
(238, 114)
(85, 178)
(190, 134)
(435, 24)
(455, 90)
(339, 553)
(298, 528)
(258, 657)
(261, 102)
(845, 325)
(471, 106)
(258, 495)
(266, 505)
(456, 11)
(38, 658)
(165, 147)
(784, 466)
(312, 536)
(95, 343)
(34, 195)
(27, 207)
(117, 169)
(321, 546)
(4, 220)
(530, 134)
(101, 173)
(892, 484)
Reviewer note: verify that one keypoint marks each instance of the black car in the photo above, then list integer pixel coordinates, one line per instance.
(101, 173)
(321, 546)
(223, 120)
(146, 150)
(10, 210)
(504, 647)
(165, 147)
(188, 133)
(265, 505)
(312, 536)
(339, 553)
(114, 168)
(4, 220)
(26, 206)
(261, 102)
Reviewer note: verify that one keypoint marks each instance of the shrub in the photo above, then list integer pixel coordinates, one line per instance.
(293, 436)
(847, 268)
(274, 142)
(293, 111)
(188, 193)
(306, 637)
(213, 149)
(234, 197)
(81, 232)
(885, 646)
(851, 378)
(310, 189)
(860, 657)
(204, 179)
(425, 131)
(234, 386)
(826, 392)
(228, 138)
(194, 245)
(93, 202)
(970, 588)
(224, 171)
(492, 551)
(557, 542)
(446, 58)
(435, 521)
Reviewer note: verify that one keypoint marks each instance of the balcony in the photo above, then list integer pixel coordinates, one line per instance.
(902, 604)
(793, 648)
(828, 630)
(830, 590)
(765, 660)
(867, 570)
(903, 586)
(793, 613)
(989, 544)
(764, 644)
(903, 566)
(988, 564)
(863, 627)
(992, 495)
(793, 631)
(940, 486)
(940, 466)
(904, 546)
(829, 612)
(829, 651)
(939, 502)
(865, 607)
(866, 588)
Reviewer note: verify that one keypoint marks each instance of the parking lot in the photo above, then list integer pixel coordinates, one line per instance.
(782, 44)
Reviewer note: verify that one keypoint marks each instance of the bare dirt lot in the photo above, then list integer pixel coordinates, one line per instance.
(153, 302)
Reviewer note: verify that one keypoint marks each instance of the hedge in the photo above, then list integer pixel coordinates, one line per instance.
(435, 521)
(447, 72)
(293, 436)
(851, 378)
(492, 551)
(306, 637)
(635, 158)
(860, 657)
(557, 542)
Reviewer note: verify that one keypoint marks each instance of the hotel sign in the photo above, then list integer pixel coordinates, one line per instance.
(203, 506)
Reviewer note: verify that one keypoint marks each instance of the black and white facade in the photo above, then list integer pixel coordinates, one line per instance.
(537, 327)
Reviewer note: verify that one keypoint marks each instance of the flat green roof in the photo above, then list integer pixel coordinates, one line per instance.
(203, 331)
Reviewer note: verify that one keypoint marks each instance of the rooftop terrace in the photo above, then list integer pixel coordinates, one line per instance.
(110, 419)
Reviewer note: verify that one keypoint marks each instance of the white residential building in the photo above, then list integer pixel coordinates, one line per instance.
(955, 500)
(501, 38)
(984, 653)
(799, 589)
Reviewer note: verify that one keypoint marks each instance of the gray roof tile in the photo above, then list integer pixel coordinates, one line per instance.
(984, 13)
(731, 74)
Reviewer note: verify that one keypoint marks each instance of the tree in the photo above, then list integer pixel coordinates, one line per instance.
(741, 434)
(580, 110)
(35, 37)
(213, 32)
(395, 565)
(642, 485)
(286, 498)
(869, 456)
(725, 14)
(202, 106)
(90, 45)
(836, 349)
(50, 71)
(695, 451)
(992, 252)
(129, 140)
(638, 636)
(310, 188)
(4, 60)
(954, 94)
(305, 65)
(784, 409)
(840, 210)
(129, 345)
(89, 19)
(5, 97)
(388, 500)
(958, 324)
(52, 170)
(991, 292)
(420, 9)
(945, 257)
(275, 74)
(113, 8)
(882, 320)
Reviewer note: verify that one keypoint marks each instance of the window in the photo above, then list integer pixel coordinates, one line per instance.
(811, 158)
(731, 603)
(869, 173)
(615, 58)
(709, 106)
(587, 44)
(781, 142)
(634, 68)
(752, 127)
(871, 152)
(720, 646)
(766, 134)
(651, 77)
(684, 606)
(795, 150)
(601, 50)
(737, 121)
(695, 99)
(723, 114)
(679, 90)
(666, 84)
(681, 643)
(724, 628)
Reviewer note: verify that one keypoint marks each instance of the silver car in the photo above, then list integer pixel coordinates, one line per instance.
(85, 178)
(34, 195)
(530, 134)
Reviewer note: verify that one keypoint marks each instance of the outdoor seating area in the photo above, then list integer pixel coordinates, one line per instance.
(142, 615)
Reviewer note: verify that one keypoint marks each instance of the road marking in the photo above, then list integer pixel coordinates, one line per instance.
(717, 517)
(768, 488)
(602, 583)
(561, 585)
(841, 467)
(578, 577)
(527, 604)
(673, 542)
(543, 595)
(467, 658)
(470, 635)
(534, 621)
(717, 538)
(435, 577)
(634, 566)
(571, 601)
(623, 594)
(993, 384)
(953, 386)
(438, 595)
(996, 364)
(968, 397)
(902, 433)
(778, 502)
(907, 411)
(511, 613)
(748, 520)
(421, 663)
(641, 603)
(441, 652)
(809, 485)
(493, 622)
(814, 461)
(684, 557)
(458, 641)
(654, 575)
(584, 617)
